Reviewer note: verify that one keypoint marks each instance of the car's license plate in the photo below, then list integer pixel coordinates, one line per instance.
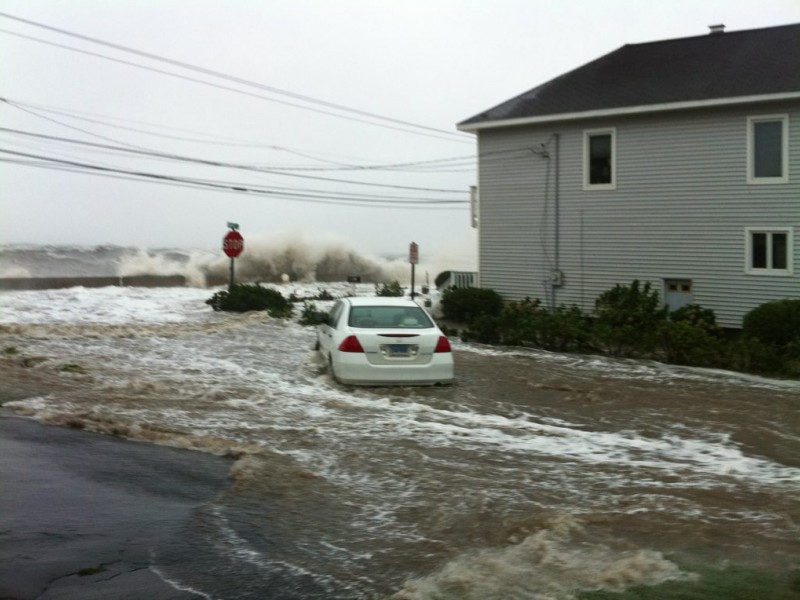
(399, 350)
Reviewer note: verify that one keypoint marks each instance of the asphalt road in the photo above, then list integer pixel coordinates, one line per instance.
(82, 515)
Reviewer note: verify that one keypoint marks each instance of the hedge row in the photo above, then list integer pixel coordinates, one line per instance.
(630, 321)
(247, 297)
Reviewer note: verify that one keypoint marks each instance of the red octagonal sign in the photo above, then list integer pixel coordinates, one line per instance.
(233, 244)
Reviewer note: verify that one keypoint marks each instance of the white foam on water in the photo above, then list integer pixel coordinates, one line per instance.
(179, 586)
(103, 306)
(553, 564)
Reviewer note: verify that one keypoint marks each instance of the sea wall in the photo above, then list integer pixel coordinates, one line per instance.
(49, 283)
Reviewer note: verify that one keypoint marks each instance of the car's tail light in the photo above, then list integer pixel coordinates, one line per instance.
(443, 345)
(351, 344)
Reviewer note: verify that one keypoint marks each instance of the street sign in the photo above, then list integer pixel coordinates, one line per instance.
(413, 253)
(233, 244)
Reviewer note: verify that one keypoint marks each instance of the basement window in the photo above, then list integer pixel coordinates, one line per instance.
(599, 159)
(768, 149)
(769, 250)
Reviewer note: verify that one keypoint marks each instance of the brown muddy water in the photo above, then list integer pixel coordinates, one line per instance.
(535, 476)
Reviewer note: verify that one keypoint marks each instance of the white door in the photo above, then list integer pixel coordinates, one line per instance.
(678, 293)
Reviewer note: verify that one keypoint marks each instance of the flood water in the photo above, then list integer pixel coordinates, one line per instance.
(535, 476)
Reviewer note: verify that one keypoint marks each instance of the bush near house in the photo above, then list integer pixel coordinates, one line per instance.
(749, 355)
(528, 323)
(774, 328)
(465, 305)
(776, 323)
(684, 343)
(627, 319)
(630, 321)
(691, 336)
(247, 297)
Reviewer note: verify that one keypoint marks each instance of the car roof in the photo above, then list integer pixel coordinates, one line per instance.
(381, 301)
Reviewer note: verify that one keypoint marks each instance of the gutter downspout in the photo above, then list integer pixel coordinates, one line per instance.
(556, 277)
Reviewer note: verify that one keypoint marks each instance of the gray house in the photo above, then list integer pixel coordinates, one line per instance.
(673, 162)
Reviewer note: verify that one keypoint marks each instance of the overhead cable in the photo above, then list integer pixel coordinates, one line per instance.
(47, 162)
(232, 78)
(214, 163)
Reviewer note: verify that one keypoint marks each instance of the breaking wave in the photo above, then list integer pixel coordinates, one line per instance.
(277, 259)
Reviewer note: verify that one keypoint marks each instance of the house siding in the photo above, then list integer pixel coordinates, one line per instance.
(679, 210)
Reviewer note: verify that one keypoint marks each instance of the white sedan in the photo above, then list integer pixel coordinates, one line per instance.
(384, 341)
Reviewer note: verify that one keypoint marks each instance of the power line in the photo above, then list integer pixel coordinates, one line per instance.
(220, 141)
(322, 198)
(213, 163)
(225, 76)
(29, 108)
(340, 166)
(231, 89)
(425, 165)
(87, 132)
(35, 110)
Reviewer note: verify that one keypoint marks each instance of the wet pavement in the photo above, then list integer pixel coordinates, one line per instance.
(82, 513)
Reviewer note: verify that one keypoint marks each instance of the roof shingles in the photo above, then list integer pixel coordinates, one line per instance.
(714, 66)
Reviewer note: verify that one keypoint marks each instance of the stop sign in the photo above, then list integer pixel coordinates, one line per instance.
(413, 253)
(233, 244)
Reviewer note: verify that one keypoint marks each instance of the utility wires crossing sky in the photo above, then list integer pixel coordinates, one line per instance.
(382, 120)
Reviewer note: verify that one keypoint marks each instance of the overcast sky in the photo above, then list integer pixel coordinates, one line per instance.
(423, 64)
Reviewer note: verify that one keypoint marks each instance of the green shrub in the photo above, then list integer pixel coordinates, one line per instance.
(630, 321)
(441, 278)
(566, 329)
(467, 304)
(529, 323)
(636, 305)
(322, 294)
(690, 337)
(390, 289)
(750, 355)
(626, 319)
(485, 330)
(776, 324)
(684, 343)
(520, 322)
(311, 316)
(696, 315)
(247, 297)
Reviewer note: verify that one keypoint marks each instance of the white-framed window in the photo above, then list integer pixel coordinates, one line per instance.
(600, 159)
(768, 250)
(768, 149)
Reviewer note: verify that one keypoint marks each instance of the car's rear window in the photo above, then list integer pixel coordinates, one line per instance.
(396, 317)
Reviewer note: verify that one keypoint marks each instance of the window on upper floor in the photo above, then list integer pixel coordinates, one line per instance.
(768, 149)
(599, 159)
(769, 250)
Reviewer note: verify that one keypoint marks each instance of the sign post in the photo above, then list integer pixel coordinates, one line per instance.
(413, 258)
(233, 245)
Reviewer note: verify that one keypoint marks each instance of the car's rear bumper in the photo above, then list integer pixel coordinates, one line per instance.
(354, 369)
